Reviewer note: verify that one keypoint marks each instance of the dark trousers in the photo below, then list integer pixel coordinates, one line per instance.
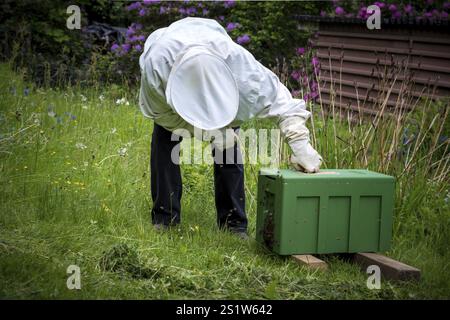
(166, 185)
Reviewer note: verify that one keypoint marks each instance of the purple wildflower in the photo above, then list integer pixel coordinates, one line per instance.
(444, 15)
(231, 26)
(379, 4)
(295, 75)
(392, 7)
(446, 5)
(323, 13)
(162, 10)
(126, 47)
(133, 6)
(295, 93)
(132, 39)
(362, 13)
(396, 15)
(114, 47)
(339, 11)
(141, 38)
(315, 61)
(137, 48)
(130, 32)
(191, 11)
(136, 26)
(149, 2)
(205, 12)
(305, 79)
(229, 4)
(244, 39)
(408, 8)
(142, 12)
(300, 51)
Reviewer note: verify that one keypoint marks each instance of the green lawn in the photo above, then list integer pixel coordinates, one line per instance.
(68, 197)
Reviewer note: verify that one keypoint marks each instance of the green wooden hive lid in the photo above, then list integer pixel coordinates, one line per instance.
(287, 174)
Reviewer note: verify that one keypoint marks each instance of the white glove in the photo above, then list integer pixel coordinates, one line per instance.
(305, 157)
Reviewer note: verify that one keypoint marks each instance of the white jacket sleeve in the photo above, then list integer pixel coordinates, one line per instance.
(292, 115)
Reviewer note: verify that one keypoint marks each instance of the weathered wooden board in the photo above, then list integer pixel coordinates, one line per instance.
(390, 269)
(310, 261)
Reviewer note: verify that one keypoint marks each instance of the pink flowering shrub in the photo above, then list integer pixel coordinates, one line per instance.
(429, 10)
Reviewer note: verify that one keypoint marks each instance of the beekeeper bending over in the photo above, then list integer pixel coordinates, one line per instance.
(194, 76)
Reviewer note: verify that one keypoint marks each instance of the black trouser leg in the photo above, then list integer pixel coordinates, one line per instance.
(229, 189)
(165, 177)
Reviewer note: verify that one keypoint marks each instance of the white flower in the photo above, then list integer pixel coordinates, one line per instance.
(80, 146)
(113, 130)
(52, 113)
(85, 107)
(122, 101)
(83, 98)
(101, 97)
(123, 152)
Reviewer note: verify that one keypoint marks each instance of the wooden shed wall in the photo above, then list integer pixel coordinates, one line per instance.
(361, 68)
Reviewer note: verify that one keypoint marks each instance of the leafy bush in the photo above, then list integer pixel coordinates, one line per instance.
(34, 35)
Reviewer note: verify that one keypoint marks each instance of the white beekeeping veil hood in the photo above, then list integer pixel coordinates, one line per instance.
(202, 90)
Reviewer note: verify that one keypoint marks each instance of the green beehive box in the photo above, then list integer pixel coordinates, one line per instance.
(333, 211)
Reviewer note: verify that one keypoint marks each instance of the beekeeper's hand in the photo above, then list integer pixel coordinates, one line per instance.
(305, 157)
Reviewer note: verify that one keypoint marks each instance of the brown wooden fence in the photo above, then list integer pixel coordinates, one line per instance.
(364, 70)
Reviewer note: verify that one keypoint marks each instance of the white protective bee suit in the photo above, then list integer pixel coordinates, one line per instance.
(193, 75)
